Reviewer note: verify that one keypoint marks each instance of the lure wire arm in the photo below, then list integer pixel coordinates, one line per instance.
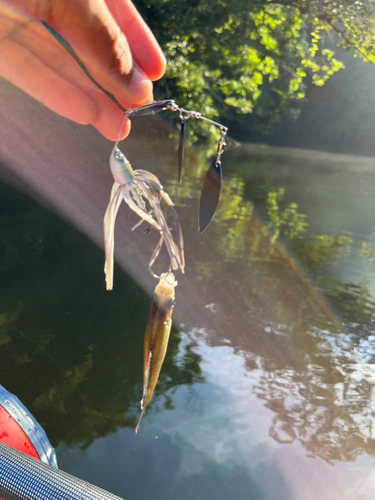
(157, 106)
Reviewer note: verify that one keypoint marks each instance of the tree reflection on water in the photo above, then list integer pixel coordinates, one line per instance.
(322, 389)
(328, 407)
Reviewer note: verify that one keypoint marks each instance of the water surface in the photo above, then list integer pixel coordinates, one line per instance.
(266, 394)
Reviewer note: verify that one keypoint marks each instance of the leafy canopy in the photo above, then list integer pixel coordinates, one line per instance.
(254, 56)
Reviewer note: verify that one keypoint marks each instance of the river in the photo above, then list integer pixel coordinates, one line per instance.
(268, 386)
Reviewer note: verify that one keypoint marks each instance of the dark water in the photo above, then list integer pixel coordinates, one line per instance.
(275, 412)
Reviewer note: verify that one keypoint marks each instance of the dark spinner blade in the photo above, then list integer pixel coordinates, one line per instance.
(181, 150)
(209, 196)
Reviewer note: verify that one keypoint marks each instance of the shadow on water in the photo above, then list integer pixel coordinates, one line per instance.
(71, 351)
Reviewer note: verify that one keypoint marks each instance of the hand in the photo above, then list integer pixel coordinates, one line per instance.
(109, 36)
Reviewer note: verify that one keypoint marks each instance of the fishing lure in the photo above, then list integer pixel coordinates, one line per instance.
(143, 193)
(157, 335)
(210, 194)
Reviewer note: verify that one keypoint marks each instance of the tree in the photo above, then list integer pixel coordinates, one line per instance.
(232, 59)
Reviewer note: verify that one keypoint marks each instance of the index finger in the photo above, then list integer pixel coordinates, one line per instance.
(143, 45)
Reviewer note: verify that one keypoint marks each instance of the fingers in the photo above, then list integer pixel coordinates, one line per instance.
(92, 30)
(144, 47)
(33, 61)
(109, 118)
(32, 76)
(123, 65)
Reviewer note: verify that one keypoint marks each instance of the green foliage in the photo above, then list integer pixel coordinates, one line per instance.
(354, 300)
(315, 252)
(234, 213)
(367, 252)
(230, 59)
(322, 249)
(55, 396)
(289, 222)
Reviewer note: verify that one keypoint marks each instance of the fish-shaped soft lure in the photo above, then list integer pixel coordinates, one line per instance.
(157, 335)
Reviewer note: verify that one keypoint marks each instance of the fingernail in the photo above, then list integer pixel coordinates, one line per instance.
(139, 85)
